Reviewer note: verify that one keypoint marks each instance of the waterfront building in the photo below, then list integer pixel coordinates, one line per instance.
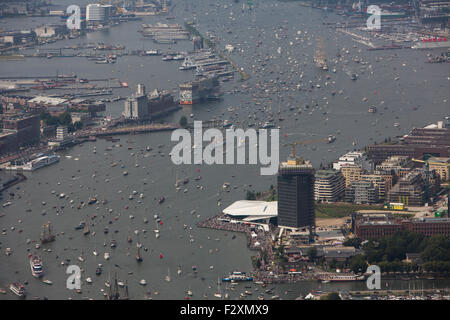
(366, 228)
(136, 107)
(433, 139)
(197, 43)
(354, 159)
(49, 31)
(98, 13)
(409, 190)
(252, 211)
(62, 137)
(145, 106)
(441, 165)
(351, 173)
(398, 165)
(296, 194)
(62, 133)
(362, 192)
(338, 253)
(380, 182)
(26, 127)
(8, 142)
(329, 186)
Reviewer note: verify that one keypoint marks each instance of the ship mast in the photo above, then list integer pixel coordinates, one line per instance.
(319, 57)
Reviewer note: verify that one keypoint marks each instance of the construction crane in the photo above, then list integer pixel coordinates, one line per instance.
(427, 173)
(303, 143)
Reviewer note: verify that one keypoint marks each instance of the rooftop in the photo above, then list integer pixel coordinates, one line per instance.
(251, 208)
(47, 100)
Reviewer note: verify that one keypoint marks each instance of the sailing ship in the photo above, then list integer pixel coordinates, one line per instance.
(114, 293)
(319, 57)
(46, 234)
(218, 294)
(168, 275)
(85, 228)
(138, 255)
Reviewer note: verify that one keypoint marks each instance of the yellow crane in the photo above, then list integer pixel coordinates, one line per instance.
(432, 162)
(303, 143)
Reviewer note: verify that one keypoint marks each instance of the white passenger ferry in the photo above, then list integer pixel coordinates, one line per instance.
(34, 164)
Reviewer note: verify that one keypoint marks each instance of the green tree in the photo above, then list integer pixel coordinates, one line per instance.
(65, 119)
(353, 242)
(331, 296)
(251, 195)
(183, 121)
(312, 253)
(358, 263)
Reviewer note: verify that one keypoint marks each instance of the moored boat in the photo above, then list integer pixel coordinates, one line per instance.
(237, 276)
(17, 289)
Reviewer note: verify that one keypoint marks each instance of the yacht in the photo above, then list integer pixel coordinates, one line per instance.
(237, 276)
(17, 289)
(37, 268)
(98, 271)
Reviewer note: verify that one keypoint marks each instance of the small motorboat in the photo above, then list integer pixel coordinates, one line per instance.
(46, 281)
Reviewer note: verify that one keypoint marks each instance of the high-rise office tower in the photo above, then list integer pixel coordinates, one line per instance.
(296, 194)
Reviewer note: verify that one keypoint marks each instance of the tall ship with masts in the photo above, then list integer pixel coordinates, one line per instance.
(319, 57)
(46, 233)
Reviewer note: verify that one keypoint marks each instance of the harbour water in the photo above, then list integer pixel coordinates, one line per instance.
(82, 174)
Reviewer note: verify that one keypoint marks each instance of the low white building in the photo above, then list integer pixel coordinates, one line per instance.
(354, 158)
(252, 211)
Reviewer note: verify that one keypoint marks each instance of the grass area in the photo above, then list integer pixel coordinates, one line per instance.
(340, 210)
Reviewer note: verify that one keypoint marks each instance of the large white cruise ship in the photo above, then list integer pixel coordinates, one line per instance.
(35, 163)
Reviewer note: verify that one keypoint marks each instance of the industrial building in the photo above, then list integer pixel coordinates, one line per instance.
(136, 107)
(296, 194)
(367, 228)
(329, 186)
(145, 106)
(431, 140)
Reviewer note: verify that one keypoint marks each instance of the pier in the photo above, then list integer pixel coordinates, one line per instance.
(212, 45)
(445, 291)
